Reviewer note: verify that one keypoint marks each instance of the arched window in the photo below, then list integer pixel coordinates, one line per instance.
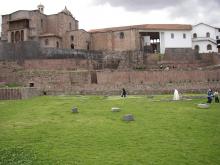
(209, 47)
(122, 35)
(72, 46)
(208, 35)
(197, 48)
(70, 26)
(12, 37)
(87, 45)
(22, 35)
(41, 22)
(194, 35)
(17, 36)
(58, 45)
(46, 41)
(72, 38)
(172, 35)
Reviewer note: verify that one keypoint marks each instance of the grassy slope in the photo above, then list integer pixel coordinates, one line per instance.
(44, 131)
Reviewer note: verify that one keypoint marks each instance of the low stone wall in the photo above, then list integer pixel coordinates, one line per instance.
(18, 93)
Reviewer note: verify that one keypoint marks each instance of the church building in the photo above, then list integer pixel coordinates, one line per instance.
(51, 31)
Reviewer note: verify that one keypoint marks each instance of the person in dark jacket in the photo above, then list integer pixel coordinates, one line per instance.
(210, 96)
(124, 93)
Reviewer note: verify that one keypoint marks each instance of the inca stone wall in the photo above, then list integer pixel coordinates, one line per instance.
(176, 54)
(20, 51)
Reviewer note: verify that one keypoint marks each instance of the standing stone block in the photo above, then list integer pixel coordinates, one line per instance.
(115, 109)
(75, 110)
(203, 106)
(128, 117)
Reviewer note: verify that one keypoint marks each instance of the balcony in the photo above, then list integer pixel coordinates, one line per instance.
(204, 39)
(18, 24)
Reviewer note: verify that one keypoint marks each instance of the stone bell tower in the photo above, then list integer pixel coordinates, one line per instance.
(41, 8)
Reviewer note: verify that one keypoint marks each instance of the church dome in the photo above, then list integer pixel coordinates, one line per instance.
(40, 6)
(67, 12)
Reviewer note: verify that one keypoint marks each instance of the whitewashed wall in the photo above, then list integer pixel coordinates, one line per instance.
(177, 42)
(202, 40)
(203, 46)
(202, 29)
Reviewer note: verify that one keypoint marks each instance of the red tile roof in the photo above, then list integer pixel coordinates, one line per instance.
(146, 27)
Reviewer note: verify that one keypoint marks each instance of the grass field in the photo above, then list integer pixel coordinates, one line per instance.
(43, 131)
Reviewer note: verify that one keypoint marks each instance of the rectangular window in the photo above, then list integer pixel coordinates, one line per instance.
(184, 36)
(72, 38)
(46, 42)
(121, 35)
(172, 35)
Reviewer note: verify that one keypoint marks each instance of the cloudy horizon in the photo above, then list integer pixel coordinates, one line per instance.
(93, 14)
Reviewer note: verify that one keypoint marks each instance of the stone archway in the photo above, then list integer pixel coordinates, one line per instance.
(72, 46)
(17, 36)
(12, 37)
(209, 47)
(22, 35)
(197, 48)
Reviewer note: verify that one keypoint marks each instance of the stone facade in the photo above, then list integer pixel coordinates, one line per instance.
(78, 39)
(123, 40)
(49, 30)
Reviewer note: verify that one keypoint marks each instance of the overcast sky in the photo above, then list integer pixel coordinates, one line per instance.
(109, 13)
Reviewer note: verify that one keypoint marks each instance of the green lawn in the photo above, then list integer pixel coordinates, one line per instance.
(43, 131)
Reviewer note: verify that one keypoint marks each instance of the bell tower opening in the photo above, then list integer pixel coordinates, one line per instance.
(41, 8)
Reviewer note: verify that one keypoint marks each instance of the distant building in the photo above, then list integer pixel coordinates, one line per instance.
(149, 37)
(57, 31)
(205, 38)
(61, 31)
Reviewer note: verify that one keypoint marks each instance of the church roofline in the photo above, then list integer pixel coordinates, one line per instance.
(78, 30)
(146, 27)
(36, 10)
(206, 25)
(20, 11)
